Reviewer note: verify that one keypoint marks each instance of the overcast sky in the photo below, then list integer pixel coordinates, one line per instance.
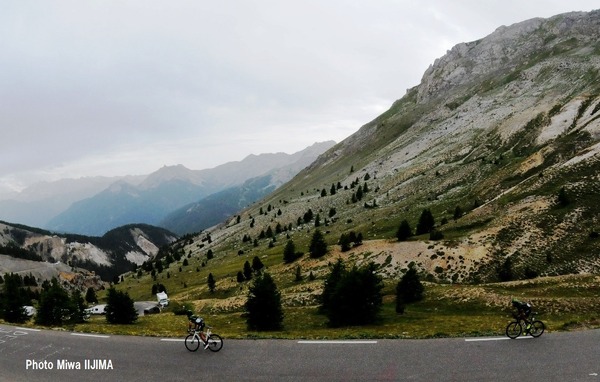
(124, 87)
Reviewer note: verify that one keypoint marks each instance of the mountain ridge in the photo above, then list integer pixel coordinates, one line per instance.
(496, 128)
(171, 188)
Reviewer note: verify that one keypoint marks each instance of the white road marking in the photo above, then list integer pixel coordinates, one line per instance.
(495, 339)
(349, 342)
(173, 339)
(30, 329)
(89, 335)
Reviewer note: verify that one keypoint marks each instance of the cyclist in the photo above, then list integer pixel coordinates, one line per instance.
(195, 322)
(523, 311)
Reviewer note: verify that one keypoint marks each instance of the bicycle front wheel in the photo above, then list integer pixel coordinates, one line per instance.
(537, 328)
(513, 330)
(192, 343)
(215, 342)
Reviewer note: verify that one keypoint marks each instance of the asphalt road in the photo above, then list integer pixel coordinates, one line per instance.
(27, 355)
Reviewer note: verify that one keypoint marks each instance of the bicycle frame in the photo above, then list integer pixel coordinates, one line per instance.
(210, 340)
(204, 334)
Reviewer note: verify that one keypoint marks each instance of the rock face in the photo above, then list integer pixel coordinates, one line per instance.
(79, 258)
(505, 50)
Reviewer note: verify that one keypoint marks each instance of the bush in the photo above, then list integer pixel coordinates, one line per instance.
(180, 309)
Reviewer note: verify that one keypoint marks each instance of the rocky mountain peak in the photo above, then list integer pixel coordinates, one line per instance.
(504, 50)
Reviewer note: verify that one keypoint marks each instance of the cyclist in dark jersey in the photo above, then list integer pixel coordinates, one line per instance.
(523, 311)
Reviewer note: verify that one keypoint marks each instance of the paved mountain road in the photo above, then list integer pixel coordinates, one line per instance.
(27, 355)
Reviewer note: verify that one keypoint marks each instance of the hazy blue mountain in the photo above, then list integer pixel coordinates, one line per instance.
(217, 207)
(171, 188)
(40, 202)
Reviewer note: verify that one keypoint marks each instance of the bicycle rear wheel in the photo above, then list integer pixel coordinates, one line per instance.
(215, 342)
(537, 328)
(513, 330)
(192, 343)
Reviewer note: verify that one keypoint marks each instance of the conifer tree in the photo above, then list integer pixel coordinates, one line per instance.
(257, 265)
(119, 308)
(211, 283)
(289, 252)
(404, 231)
(318, 246)
(408, 290)
(352, 297)
(90, 296)
(247, 271)
(54, 306)
(12, 300)
(263, 307)
(426, 222)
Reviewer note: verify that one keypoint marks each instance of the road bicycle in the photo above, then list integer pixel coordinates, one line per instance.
(210, 340)
(520, 325)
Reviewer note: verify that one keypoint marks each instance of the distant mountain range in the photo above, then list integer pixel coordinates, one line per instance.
(93, 206)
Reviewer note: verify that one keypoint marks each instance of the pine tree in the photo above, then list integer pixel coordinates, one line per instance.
(318, 246)
(211, 283)
(308, 216)
(404, 231)
(426, 222)
(257, 265)
(505, 271)
(289, 252)
(335, 274)
(247, 271)
(12, 300)
(353, 297)
(54, 306)
(263, 307)
(408, 290)
(458, 213)
(345, 242)
(298, 274)
(78, 307)
(90, 296)
(240, 277)
(563, 198)
(119, 308)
